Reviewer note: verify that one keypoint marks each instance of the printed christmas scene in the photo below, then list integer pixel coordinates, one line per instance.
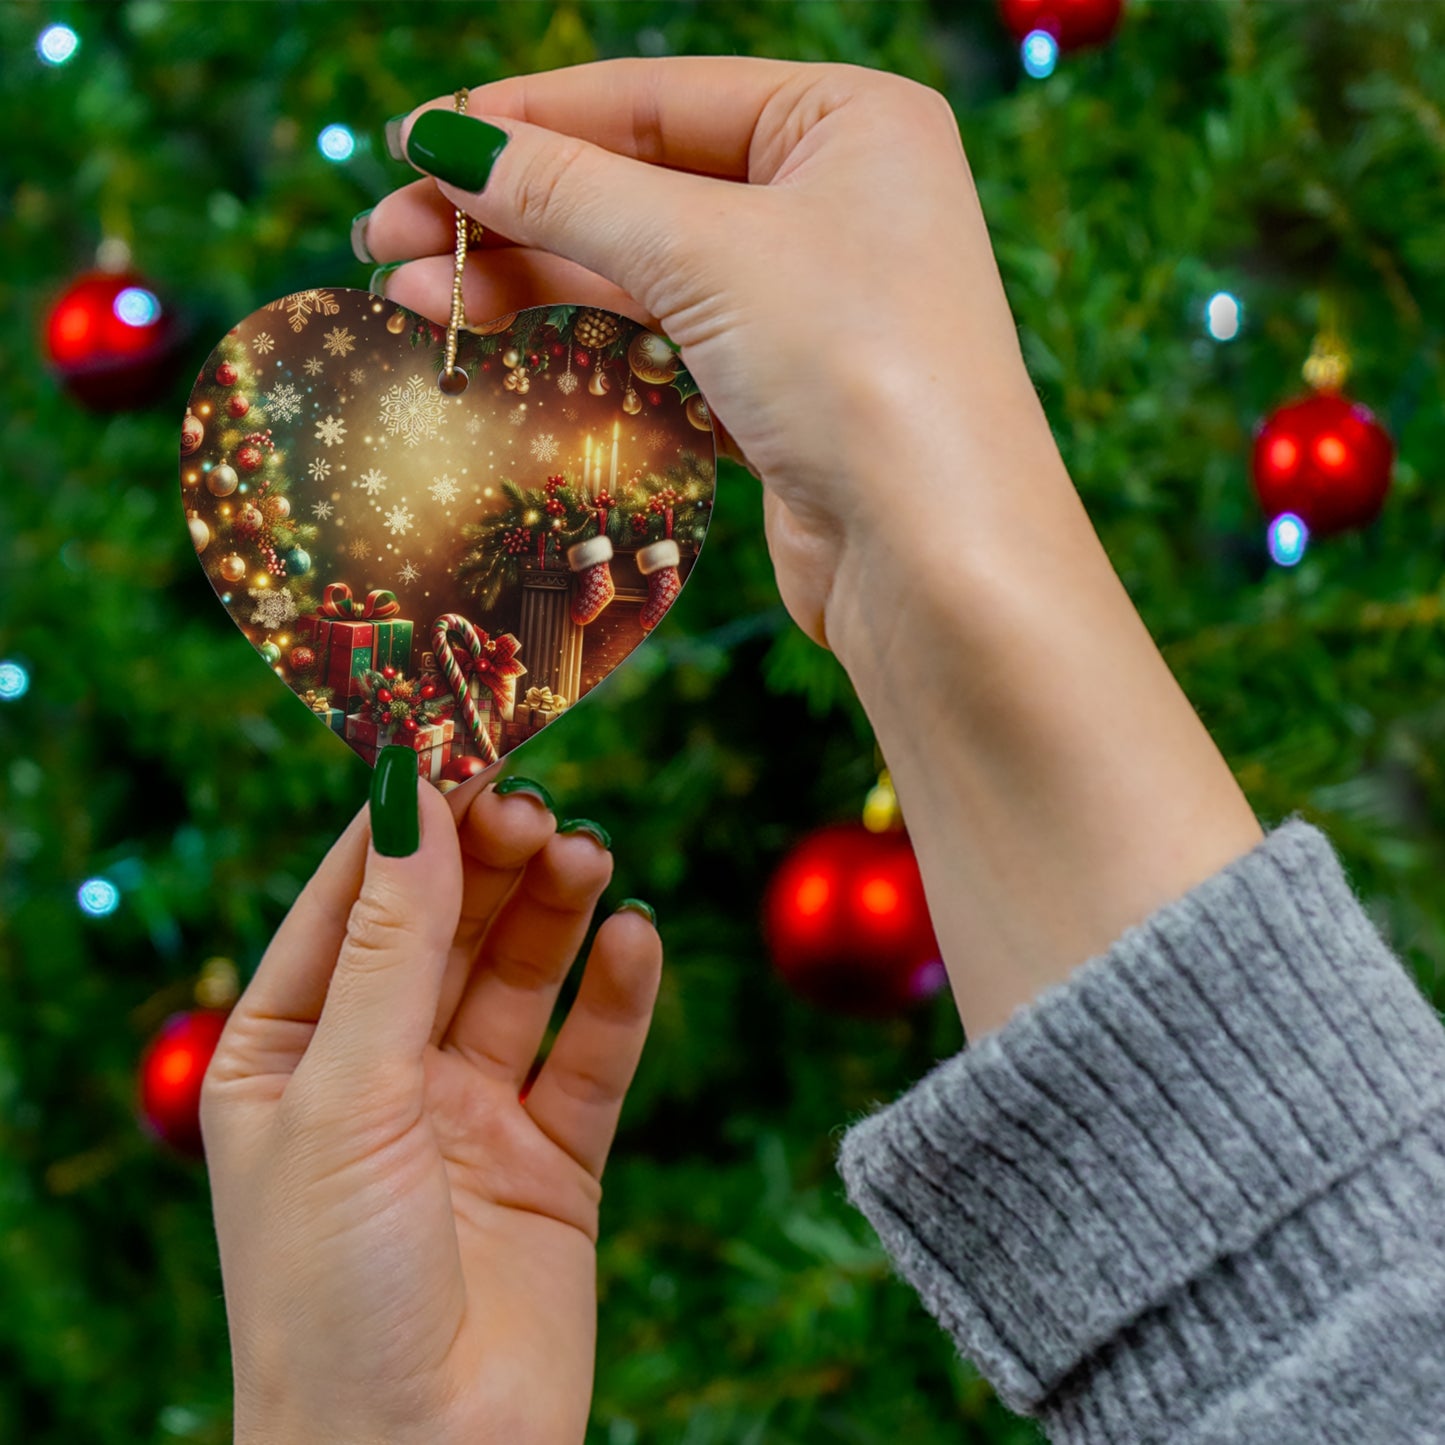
(448, 572)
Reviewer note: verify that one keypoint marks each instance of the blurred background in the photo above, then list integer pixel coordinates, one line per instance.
(1192, 203)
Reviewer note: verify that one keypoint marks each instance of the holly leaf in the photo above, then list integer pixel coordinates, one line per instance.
(559, 318)
(684, 384)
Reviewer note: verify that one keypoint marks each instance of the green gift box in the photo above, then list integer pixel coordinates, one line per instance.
(393, 644)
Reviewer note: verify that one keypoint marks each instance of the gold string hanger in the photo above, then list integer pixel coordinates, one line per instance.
(453, 380)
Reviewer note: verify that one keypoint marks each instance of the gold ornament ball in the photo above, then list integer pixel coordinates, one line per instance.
(653, 361)
(396, 322)
(631, 402)
(200, 533)
(698, 413)
(222, 480)
(233, 568)
(599, 385)
(511, 357)
(594, 328)
(276, 509)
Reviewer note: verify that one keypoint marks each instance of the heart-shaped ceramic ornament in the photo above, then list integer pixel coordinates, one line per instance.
(449, 570)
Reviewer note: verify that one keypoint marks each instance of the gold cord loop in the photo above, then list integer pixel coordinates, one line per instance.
(455, 380)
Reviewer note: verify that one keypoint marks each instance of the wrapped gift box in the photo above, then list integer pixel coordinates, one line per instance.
(344, 652)
(433, 745)
(393, 644)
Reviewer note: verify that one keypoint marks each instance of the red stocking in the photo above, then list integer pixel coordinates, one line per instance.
(591, 560)
(658, 563)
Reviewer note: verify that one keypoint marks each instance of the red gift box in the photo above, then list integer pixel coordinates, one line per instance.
(344, 652)
(433, 744)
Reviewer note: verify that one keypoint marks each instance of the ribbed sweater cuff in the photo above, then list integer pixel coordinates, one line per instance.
(1151, 1152)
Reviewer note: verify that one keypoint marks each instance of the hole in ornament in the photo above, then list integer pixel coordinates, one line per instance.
(453, 382)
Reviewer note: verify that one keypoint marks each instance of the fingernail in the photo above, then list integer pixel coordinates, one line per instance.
(636, 905)
(359, 248)
(395, 825)
(377, 284)
(586, 825)
(455, 148)
(393, 137)
(515, 784)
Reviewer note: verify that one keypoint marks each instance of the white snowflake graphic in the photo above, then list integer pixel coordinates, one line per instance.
(339, 341)
(408, 573)
(313, 366)
(262, 344)
(399, 520)
(544, 447)
(300, 306)
(275, 607)
(331, 430)
(655, 439)
(444, 489)
(371, 482)
(474, 425)
(412, 410)
(283, 402)
(358, 375)
(319, 470)
(358, 550)
(322, 511)
(569, 413)
(519, 414)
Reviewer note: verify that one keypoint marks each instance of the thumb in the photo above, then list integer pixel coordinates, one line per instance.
(382, 1000)
(641, 226)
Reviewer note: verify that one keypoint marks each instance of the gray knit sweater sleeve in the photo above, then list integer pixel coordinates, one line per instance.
(1196, 1192)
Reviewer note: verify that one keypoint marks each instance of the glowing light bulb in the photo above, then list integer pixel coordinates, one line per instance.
(1288, 538)
(136, 306)
(14, 681)
(812, 895)
(879, 897)
(98, 897)
(1223, 316)
(336, 143)
(1040, 54)
(57, 44)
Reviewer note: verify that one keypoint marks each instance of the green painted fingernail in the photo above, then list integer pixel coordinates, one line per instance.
(393, 136)
(359, 248)
(455, 148)
(636, 905)
(377, 284)
(586, 825)
(515, 784)
(395, 824)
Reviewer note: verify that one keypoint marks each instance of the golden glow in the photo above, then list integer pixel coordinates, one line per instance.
(1283, 454)
(1331, 451)
(878, 897)
(176, 1067)
(812, 894)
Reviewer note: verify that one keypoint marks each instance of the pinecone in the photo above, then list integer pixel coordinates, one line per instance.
(594, 329)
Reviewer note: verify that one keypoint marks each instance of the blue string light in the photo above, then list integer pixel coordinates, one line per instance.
(98, 897)
(1223, 316)
(1040, 53)
(1288, 538)
(57, 44)
(136, 306)
(336, 143)
(14, 681)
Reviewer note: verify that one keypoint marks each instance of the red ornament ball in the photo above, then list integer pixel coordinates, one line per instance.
(581, 358)
(111, 341)
(238, 405)
(847, 924)
(226, 374)
(458, 770)
(1324, 458)
(655, 397)
(249, 522)
(303, 659)
(250, 457)
(193, 433)
(1073, 23)
(533, 358)
(171, 1071)
(558, 349)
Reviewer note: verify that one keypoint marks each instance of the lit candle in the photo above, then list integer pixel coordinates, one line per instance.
(587, 469)
(612, 476)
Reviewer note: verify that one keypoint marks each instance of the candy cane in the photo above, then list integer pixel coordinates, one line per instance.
(443, 628)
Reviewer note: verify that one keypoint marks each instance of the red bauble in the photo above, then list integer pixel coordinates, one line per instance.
(1324, 458)
(249, 522)
(847, 923)
(250, 458)
(171, 1071)
(458, 770)
(111, 341)
(226, 374)
(655, 397)
(303, 659)
(580, 357)
(238, 406)
(1073, 23)
(533, 358)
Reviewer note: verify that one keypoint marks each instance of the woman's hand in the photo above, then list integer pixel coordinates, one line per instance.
(408, 1248)
(808, 234)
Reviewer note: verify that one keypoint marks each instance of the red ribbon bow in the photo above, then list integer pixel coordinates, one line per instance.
(337, 601)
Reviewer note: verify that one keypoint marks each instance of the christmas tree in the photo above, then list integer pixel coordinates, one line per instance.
(1282, 161)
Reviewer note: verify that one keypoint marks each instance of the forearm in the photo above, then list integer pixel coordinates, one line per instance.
(1056, 782)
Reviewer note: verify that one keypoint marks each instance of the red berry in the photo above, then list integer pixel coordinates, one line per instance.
(428, 690)
(388, 673)
(383, 696)
(409, 724)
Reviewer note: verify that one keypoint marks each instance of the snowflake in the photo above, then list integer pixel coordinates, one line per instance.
(444, 490)
(655, 439)
(313, 366)
(474, 425)
(322, 511)
(408, 573)
(399, 520)
(283, 403)
(339, 341)
(300, 305)
(331, 431)
(262, 344)
(319, 470)
(412, 411)
(569, 413)
(545, 448)
(358, 550)
(274, 609)
(357, 376)
(519, 415)
(371, 482)
(567, 383)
